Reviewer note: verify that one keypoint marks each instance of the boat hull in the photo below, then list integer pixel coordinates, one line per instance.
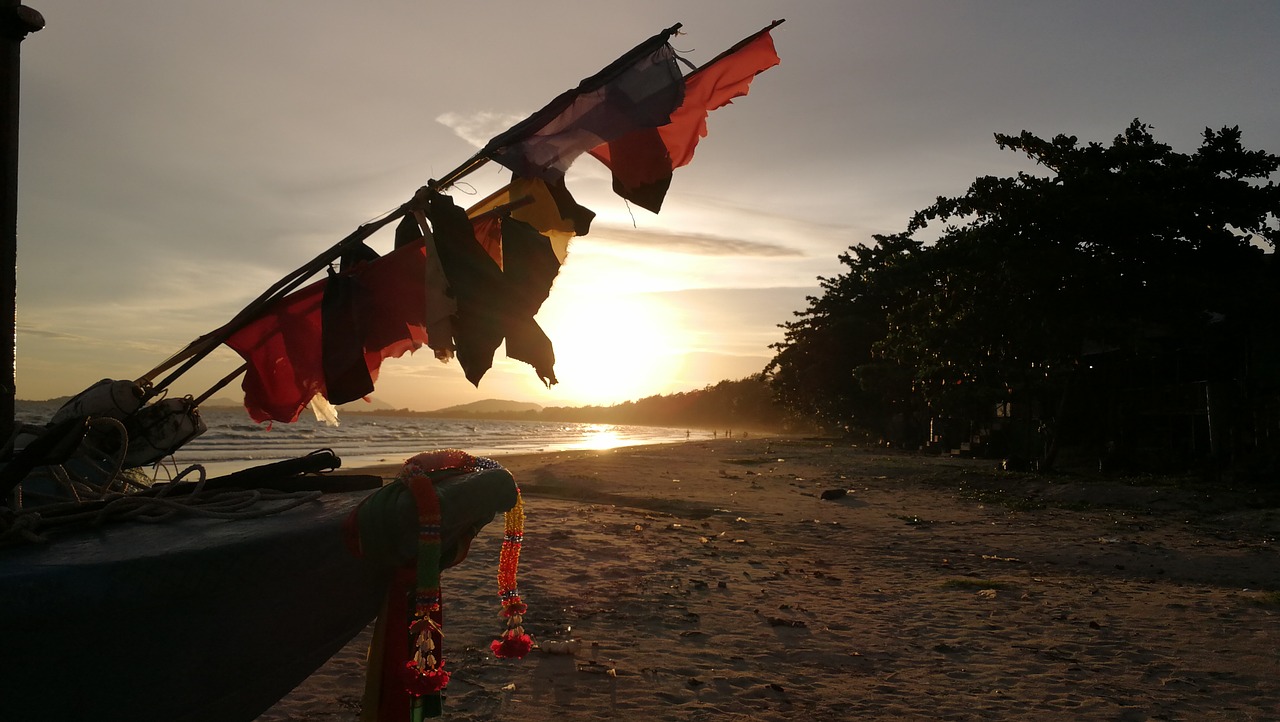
(189, 621)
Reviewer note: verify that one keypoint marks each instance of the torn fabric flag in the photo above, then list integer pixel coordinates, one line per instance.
(638, 90)
(495, 302)
(284, 348)
(642, 161)
(548, 208)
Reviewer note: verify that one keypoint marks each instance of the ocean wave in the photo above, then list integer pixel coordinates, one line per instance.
(233, 443)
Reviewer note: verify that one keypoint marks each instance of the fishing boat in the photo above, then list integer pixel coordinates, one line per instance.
(212, 617)
(216, 615)
(201, 619)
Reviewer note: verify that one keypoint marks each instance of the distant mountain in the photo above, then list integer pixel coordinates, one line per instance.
(57, 400)
(226, 402)
(222, 402)
(489, 406)
(371, 405)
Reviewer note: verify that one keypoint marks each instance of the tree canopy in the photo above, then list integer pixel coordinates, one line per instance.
(1127, 250)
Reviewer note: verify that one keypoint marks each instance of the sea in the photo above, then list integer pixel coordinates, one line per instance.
(234, 441)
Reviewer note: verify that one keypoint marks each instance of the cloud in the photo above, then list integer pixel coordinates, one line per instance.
(92, 341)
(52, 335)
(735, 320)
(698, 244)
(478, 128)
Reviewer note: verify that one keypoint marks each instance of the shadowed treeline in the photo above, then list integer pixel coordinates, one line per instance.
(745, 404)
(1119, 310)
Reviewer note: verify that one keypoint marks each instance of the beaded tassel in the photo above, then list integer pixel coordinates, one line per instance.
(424, 671)
(513, 642)
(417, 664)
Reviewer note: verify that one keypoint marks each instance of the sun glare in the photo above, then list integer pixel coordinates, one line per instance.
(611, 348)
(600, 437)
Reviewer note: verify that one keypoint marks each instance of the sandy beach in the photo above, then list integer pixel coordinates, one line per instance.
(712, 581)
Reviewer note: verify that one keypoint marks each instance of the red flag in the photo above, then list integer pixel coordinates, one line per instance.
(642, 161)
(283, 347)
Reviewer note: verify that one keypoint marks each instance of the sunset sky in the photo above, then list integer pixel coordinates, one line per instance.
(179, 157)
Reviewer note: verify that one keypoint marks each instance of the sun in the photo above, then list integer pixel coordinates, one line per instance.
(611, 348)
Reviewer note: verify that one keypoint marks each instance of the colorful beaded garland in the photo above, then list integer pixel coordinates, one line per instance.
(513, 642)
(424, 671)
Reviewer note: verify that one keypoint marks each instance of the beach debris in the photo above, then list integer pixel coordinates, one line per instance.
(593, 667)
(833, 494)
(560, 646)
(755, 461)
(986, 594)
(792, 623)
(994, 558)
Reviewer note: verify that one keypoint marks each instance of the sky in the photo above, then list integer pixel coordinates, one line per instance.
(178, 158)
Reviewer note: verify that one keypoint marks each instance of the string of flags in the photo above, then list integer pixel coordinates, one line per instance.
(485, 271)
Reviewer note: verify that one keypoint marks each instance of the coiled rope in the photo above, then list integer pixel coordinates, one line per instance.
(124, 499)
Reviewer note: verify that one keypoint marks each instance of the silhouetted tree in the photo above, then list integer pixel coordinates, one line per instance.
(1127, 248)
(827, 364)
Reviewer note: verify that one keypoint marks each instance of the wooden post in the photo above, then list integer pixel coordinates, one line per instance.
(16, 21)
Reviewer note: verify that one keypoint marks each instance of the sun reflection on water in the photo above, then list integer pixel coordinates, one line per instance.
(601, 437)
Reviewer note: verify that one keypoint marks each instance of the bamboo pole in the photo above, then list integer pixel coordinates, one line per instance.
(198, 349)
(195, 351)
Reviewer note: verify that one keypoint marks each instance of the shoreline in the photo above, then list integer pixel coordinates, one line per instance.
(715, 582)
